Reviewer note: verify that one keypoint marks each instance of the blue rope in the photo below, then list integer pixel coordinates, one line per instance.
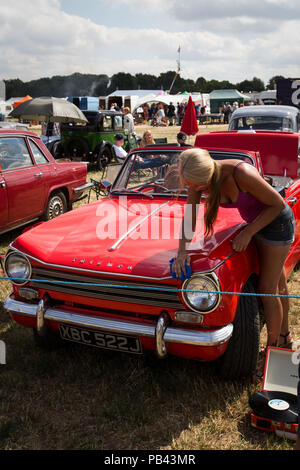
(122, 286)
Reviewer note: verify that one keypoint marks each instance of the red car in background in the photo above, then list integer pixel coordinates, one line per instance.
(32, 183)
(100, 275)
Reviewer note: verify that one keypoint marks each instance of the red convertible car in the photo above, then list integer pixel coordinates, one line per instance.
(100, 275)
(32, 183)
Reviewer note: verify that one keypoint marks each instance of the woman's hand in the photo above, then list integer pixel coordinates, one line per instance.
(179, 263)
(242, 240)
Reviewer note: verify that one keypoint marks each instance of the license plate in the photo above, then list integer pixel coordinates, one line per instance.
(101, 339)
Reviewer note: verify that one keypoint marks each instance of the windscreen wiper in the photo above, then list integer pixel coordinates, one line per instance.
(131, 191)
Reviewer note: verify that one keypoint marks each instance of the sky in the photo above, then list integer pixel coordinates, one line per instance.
(230, 40)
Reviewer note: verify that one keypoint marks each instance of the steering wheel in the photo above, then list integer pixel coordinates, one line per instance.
(152, 185)
(4, 150)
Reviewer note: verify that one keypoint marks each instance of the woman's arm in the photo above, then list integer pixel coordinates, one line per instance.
(250, 181)
(187, 230)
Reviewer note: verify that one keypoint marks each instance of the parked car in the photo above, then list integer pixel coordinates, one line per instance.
(100, 275)
(266, 117)
(32, 184)
(92, 142)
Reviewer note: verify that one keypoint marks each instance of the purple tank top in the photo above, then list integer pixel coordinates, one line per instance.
(248, 206)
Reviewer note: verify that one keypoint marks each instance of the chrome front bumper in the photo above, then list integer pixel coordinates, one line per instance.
(84, 187)
(161, 332)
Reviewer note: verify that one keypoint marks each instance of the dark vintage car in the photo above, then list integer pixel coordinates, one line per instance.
(100, 275)
(93, 141)
(32, 184)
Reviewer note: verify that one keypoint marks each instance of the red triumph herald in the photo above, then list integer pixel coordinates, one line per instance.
(100, 275)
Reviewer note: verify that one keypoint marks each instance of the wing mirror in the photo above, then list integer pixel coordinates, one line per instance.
(106, 185)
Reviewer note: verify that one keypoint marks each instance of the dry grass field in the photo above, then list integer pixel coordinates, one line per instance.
(85, 398)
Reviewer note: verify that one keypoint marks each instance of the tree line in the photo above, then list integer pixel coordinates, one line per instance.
(79, 84)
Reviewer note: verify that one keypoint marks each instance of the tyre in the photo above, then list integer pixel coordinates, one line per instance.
(240, 358)
(56, 205)
(77, 148)
(104, 159)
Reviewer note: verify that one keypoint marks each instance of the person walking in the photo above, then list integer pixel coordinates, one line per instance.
(128, 121)
(160, 115)
(171, 114)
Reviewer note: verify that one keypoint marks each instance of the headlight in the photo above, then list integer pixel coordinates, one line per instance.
(17, 266)
(202, 302)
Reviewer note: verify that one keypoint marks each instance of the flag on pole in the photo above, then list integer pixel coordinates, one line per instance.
(178, 50)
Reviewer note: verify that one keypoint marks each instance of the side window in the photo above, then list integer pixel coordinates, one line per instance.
(37, 153)
(107, 122)
(118, 123)
(14, 153)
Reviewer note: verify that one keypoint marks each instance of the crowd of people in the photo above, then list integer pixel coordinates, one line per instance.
(227, 108)
(161, 114)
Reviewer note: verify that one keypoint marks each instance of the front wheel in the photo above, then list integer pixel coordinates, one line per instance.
(56, 205)
(240, 358)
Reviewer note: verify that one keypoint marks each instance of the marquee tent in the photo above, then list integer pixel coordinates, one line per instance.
(167, 99)
(218, 97)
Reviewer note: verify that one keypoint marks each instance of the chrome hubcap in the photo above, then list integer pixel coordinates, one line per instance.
(56, 207)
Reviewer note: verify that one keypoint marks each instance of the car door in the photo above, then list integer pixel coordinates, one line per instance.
(24, 184)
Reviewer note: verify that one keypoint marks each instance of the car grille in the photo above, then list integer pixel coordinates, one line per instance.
(119, 290)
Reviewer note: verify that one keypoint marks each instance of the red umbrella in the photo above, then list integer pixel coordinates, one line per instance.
(189, 124)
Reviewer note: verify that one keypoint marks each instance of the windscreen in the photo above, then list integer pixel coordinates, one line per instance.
(268, 123)
(157, 172)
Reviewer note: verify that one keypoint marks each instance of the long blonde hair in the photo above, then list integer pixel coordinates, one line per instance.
(144, 141)
(197, 166)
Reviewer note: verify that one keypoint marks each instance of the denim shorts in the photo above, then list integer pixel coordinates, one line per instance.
(281, 231)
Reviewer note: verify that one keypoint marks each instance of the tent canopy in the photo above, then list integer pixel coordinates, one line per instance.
(167, 99)
(140, 93)
(217, 97)
(22, 100)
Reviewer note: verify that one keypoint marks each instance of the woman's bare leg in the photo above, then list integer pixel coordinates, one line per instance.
(283, 290)
(271, 281)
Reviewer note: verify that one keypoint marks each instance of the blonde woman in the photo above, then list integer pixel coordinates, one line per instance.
(235, 183)
(147, 139)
